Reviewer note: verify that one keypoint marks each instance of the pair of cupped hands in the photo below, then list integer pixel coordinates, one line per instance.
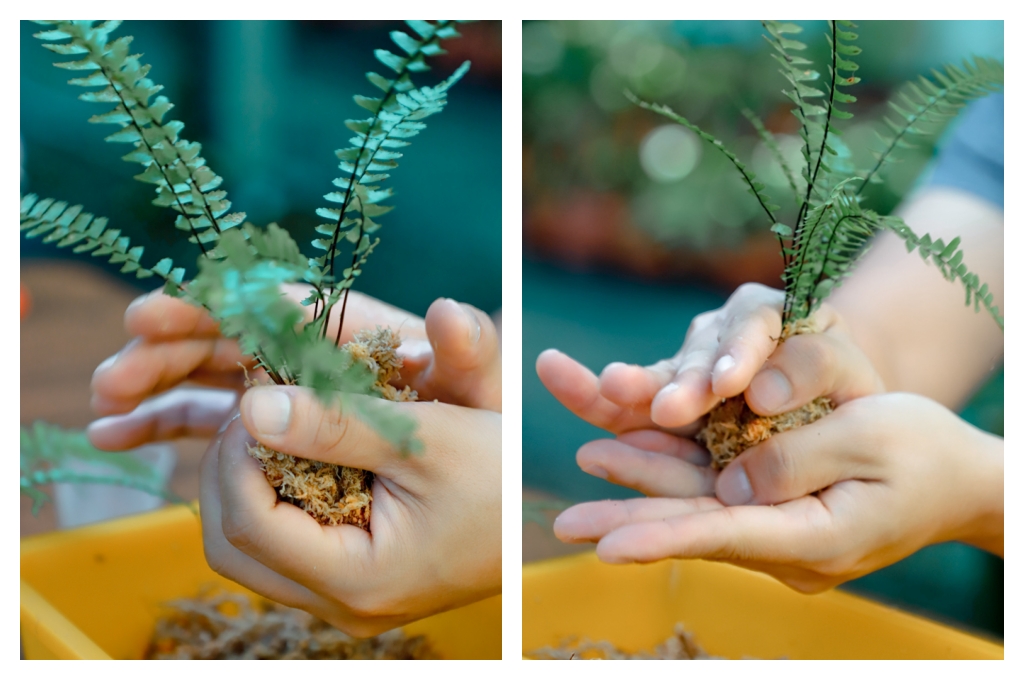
(882, 476)
(436, 521)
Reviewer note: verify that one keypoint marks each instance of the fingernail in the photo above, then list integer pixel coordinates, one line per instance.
(770, 389)
(596, 471)
(734, 486)
(227, 423)
(137, 301)
(667, 390)
(107, 363)
(724, 364)
(271, 410)
(474, 323)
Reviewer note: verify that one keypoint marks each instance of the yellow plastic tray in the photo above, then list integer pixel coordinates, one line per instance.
(95, 592)
(733, 613)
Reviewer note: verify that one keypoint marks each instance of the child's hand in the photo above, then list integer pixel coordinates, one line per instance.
(726, 352)
(436, 521)
(894, 472)
(454, 355)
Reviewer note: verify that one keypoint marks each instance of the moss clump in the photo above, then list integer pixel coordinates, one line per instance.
(732, 427)
(333, 494)
(229, 626)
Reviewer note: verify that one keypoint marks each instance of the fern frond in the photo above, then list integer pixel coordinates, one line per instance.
(948, 257)
(184, 182)
(841, 52)
(397, 116)
(923, 105)
(797, 70)
(769, 141)
(753, 186)
(47, 450)
(243, 292)
(67, 226)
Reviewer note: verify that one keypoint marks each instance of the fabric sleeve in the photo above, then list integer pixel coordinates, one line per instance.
(972, 158)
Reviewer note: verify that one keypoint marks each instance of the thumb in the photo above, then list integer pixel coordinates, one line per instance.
(806, 367)
(293, 420)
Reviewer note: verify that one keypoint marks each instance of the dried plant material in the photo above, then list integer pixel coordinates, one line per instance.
(379, 349)
(229, 626)
(333, 494)
(679, 647)
(732, 427)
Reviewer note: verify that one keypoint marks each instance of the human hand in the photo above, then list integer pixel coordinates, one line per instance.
(893, 472)
(726, 352)
(453, 355)
(435, 540)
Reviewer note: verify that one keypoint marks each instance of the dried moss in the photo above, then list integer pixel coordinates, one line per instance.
(229, 626)
(732, 427)
(679, 647)
(333, 494)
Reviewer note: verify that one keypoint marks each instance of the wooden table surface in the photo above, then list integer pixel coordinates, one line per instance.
(75, 322)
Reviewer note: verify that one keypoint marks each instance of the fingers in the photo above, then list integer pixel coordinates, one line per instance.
(589, 522)
(653, 463)
(723, 350)
(801, 461)
(750, 331)
(229, 561)
(466, 367)
(180, 413)
(144, 368)
(577, 389)
(805, 367)
(278, 550)
(278, 535)
(631, 385)
(294, 421)
(159, 316)
(791, 533)
(362, 312)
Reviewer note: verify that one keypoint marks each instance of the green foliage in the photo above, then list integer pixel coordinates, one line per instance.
(242, 267)
(923, 105)
(68, 226)
(396, 117)
(183, 180)
(47, 451)
(832, 229)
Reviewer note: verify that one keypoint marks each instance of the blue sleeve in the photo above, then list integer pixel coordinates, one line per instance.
(972, 158)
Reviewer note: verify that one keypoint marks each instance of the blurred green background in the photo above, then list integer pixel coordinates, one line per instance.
(633, 226)
(268, 101)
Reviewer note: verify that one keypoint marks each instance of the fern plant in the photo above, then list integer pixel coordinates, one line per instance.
(242, 267)
(832, 228)
(48, 453)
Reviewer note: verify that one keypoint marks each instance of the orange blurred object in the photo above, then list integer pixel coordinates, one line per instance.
(26, 301)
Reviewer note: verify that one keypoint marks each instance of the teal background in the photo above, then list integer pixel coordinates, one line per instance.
(268, 101)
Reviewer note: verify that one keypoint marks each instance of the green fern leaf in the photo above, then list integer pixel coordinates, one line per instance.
(927, 105)
(172, 163)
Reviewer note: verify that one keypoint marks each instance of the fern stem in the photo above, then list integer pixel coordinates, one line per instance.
(787, 310)
(351, 274)
(348, 191)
